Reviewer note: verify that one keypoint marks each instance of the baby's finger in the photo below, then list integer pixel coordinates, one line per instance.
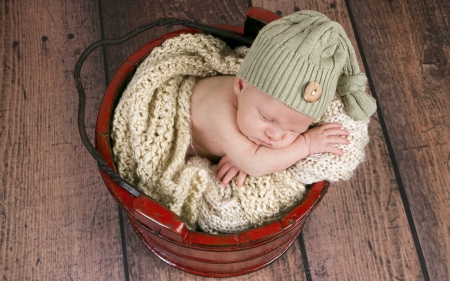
(241, 178)
(335, 150)
(224, 170)
(337, 132)
(337, 140)
(331, 126)
(222, 162)
(229, 176)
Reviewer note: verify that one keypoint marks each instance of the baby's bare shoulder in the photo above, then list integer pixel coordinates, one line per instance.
(213, 101)
(213, 114)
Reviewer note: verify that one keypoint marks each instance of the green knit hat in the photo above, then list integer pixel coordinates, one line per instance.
(301, 51)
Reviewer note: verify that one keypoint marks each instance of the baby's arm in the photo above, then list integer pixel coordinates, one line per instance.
(263, 160)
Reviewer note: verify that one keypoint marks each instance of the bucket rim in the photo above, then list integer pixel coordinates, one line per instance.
(172, 227)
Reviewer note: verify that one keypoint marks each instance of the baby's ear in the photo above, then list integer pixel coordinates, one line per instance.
(238, 85)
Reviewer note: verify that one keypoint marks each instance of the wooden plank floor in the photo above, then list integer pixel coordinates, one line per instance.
(58, 222)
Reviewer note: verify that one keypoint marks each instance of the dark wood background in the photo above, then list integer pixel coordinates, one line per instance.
(58, 222)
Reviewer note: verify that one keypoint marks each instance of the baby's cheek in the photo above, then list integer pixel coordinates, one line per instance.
(291, 139)
(253, 128)
(242, 126)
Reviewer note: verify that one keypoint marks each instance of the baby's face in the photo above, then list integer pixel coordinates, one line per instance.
(267, 121)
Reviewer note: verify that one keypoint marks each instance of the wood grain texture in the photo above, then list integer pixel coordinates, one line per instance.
(408, 53)
(360, 230)
(57, 221)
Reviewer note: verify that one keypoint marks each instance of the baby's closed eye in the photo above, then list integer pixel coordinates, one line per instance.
(266, 118)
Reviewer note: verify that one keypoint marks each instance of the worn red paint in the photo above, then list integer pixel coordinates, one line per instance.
(165, 234)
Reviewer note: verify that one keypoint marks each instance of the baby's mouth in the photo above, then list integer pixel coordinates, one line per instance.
(273, 145)
(260, 142)
(266, 144)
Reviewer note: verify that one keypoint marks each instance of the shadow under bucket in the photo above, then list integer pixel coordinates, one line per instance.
(161, 230)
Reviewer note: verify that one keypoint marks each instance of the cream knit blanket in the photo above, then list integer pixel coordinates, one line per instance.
(151, 134)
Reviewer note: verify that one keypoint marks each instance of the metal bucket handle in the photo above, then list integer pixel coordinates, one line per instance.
(82, 95)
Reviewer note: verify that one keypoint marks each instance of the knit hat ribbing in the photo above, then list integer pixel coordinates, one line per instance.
(307, 47)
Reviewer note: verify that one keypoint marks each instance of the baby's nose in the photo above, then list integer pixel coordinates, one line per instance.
(274, 134)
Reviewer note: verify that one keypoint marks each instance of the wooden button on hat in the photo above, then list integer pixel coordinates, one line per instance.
(312, 92)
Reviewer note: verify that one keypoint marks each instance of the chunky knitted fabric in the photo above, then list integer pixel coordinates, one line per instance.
(151, 134)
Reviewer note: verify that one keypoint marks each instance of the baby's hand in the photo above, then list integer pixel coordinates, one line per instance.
(320, 139)
(226, 171)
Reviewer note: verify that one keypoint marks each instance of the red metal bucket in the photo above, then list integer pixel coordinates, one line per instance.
(164, 233)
